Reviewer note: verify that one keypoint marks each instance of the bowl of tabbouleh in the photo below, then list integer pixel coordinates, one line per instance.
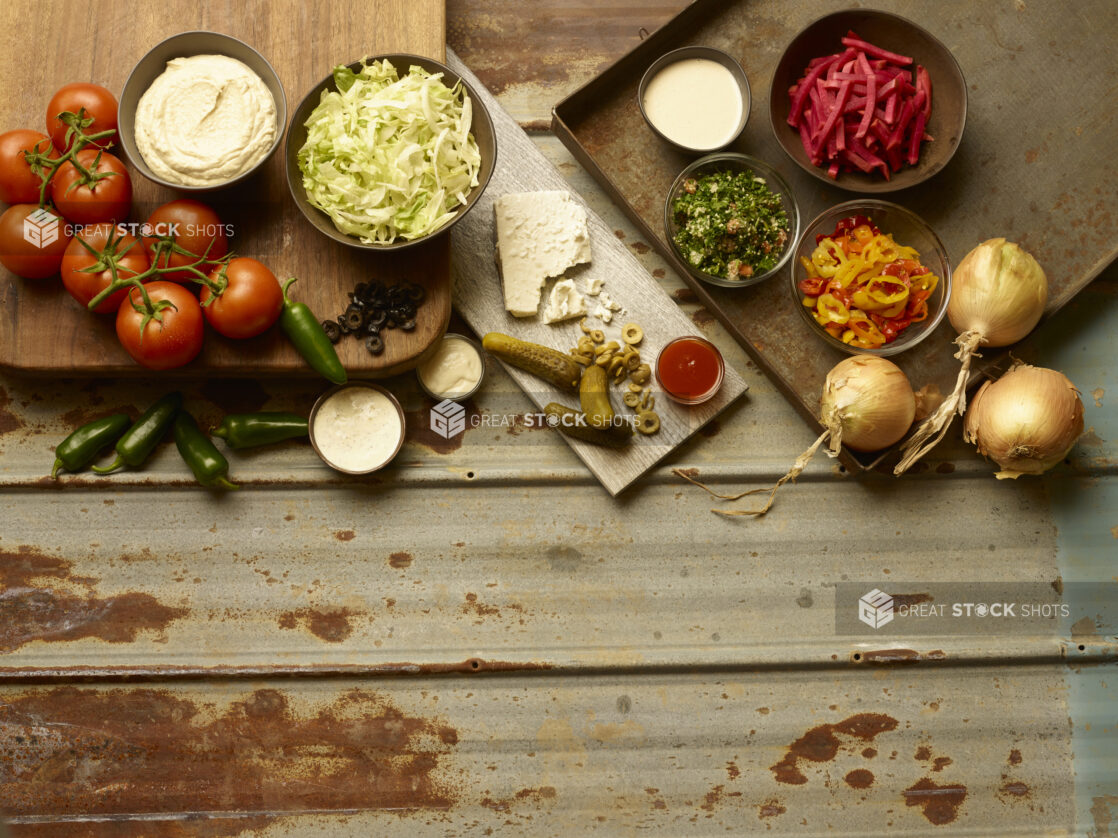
(731, 220)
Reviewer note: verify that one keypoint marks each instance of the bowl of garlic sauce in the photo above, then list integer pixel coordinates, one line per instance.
(455, 369)
(697, 98)
(357, 428)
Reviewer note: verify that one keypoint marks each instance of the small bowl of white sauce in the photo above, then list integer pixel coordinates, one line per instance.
(201, 111)
(357, 428)
(454, 370)
(696, 98)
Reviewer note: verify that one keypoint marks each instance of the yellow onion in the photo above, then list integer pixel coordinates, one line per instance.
(998, 294)
(867, 403)
(1026, 421)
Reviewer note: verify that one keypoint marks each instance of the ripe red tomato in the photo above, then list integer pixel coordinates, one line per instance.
(98, 102)
(18, 185)
(250, 300)
(194, 227)
(108, 199)
(21, 241)
(175, 341)
(84, 285)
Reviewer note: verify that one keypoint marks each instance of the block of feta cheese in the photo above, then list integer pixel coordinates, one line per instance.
(564, 303)
(539, 235)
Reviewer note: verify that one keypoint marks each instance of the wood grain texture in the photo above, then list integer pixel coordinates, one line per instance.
(479, 298)
(42, 330)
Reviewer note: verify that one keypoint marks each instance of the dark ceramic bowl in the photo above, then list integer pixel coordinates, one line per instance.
(482, 129)
(949, 93)
(152, 65)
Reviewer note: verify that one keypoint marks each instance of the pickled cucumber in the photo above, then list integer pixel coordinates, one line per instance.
(593, 396)
(551, 365)
(575, 424)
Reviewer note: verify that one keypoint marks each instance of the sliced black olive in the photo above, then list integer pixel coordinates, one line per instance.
(408, 325)
(342, 325)
(354, 319)
(378, 318)
(333, 330)
(372, 328)
(375, 344)
(391, 322)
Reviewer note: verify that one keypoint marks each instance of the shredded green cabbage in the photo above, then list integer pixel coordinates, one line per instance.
(389, 157)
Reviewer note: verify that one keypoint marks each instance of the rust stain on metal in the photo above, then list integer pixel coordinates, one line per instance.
(702, 318)
(891, 656)
(31, 610)
(175, 826)
(1015, 788)
(684, 295)
(909, 600)
(821, 743)
(333, 626)
(732, 770)
(940, 804)
(419, 429)
(400, 560)
(529, 795)
(1014, 757)
(1103, 809)
(8, 420)
(923, 753)
(89, 752)
(345, 535)
(939, 763)
(859, 778)
(770, 809)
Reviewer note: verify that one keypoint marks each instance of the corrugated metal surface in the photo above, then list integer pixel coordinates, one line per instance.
(481, 641)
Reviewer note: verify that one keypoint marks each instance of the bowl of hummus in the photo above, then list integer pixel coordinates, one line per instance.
(201, 111)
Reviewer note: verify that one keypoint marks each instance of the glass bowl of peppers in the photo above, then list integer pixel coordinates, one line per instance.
(870, 277)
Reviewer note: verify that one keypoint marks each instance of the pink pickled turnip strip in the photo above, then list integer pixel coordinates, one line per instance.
(808, 84)
(853, 158)
(852, 40)
(832, 171)
(894, 141)
(825, 130)
(923, 82)
(915, 138)
(890, 107)
(867, 114)
(805, 138)
(840, 134)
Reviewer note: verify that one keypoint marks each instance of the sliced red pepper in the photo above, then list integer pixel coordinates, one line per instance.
(812, 286)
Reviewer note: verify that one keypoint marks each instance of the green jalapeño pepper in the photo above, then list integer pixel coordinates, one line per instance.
(247, 430)
(80, 448)
(140, 440)
(198, 452)
(309, 338)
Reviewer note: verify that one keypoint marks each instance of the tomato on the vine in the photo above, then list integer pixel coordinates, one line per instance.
(22, 248)
(18, 184)
(99, 103)
(130, 257)
(108, 199)
(243, 298)
(192, 226)
(171, 338)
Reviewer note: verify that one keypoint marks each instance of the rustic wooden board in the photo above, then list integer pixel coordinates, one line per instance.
(479, 298)
(1049, 188)
(42, 330)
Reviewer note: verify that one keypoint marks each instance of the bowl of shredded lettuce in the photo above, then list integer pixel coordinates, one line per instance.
(389, 151)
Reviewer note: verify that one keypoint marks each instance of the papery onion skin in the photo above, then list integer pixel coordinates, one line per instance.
(1026, 421)
(998, 290)
(870, 399)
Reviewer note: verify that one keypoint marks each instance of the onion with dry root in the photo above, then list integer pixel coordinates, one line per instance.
(998, 293)
(867, 404)
(1026, 421)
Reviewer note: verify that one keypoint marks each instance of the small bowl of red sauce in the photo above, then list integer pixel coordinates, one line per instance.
(690, 369)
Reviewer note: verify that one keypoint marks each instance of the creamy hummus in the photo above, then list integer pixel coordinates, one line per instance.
(357, 429)
(205, 120)
(453, 371)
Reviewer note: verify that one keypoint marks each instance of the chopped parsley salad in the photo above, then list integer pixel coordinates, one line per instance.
(730, 224)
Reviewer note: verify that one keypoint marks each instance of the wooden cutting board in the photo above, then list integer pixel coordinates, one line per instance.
(479, 298)
(43, 330)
